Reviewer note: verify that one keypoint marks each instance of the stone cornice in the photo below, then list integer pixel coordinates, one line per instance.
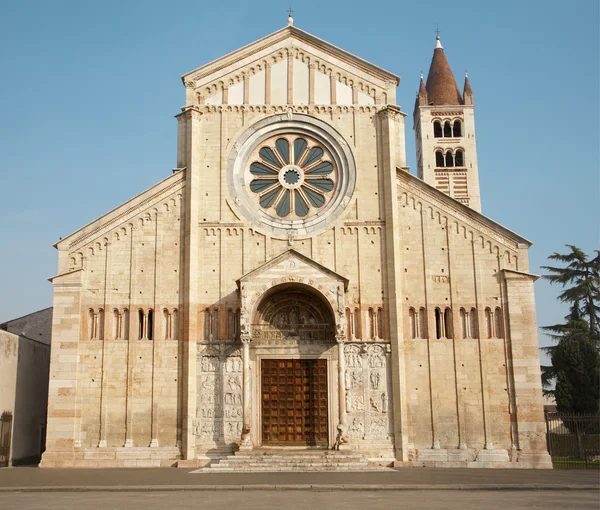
(512, 274)
(124, 212)
(463, 213)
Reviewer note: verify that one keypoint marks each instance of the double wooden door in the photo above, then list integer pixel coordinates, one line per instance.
(294, 402)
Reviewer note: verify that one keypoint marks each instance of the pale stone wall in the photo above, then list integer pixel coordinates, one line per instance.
(187, 250)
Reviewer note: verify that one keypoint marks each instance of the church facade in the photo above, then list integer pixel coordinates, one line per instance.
(292, 284)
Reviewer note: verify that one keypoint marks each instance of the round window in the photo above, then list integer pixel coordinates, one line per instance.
(291, 172)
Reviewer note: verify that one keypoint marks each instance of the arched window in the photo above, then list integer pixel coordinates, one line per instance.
(437, 129)
(348, 324)
(464, 318)
(438, 323)
(412, 323)
(489, 325)
(448, 330)
(380, 323)
(449, 159)
(422, 323)
(166, 324)
(439, 159)
(116, 330)
(498, 323)
(356, 325)
(141, 320)
(101, 324)
(459, 158)
(150, 326)
(175, 325)
(215, 324)
(447, 129)
(473, 323)
(91, 324)
(371, 325)
(125, 324)
(457, 129)
(230, 326)
(207, 324)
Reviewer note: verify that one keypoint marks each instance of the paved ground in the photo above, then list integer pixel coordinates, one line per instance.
(303, 500)
(172, 479)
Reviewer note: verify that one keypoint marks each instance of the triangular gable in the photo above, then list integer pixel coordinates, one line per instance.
(291, 263)
(236, 72)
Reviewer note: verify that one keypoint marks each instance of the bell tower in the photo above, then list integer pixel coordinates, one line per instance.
(444, 127)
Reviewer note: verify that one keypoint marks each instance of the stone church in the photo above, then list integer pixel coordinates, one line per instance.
(292, 285)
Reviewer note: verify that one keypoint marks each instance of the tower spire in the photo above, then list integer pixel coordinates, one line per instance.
(441, 84)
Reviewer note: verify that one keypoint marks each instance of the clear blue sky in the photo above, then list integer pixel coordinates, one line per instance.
(88, 91)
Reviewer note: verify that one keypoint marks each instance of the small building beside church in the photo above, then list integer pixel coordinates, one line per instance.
(293, 284)
(24, 368)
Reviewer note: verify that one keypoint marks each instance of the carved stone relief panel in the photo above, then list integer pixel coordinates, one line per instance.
(367, 391)
(219, 411)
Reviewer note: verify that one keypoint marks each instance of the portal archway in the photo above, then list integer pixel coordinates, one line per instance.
(294, 389)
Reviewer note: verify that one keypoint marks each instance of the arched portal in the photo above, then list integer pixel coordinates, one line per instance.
(294, 384)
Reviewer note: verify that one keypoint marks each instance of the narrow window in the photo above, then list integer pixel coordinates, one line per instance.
(422, 323)
(449, 159)
(463, 323)
(150, 325)
(348, 324)
(236, 323)
(126, 324)
(447, 129)
(371, 324)
(175, 324)
(438, 323)
(91, 324)
(207, 324)
(412, 320)
(356, 328)
(474, 323)
(116, 325)
(101, 324)
(230, 332)
(457, 129)
(459, 158)
(437, 129)
(499, 323)
(166, 324)
(215, 324)
(488, 323)
(380, 322)
(439, 159)
(141, 318)
(448, 323)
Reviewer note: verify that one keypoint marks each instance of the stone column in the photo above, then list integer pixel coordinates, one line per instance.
(342, 437)
(246, 443)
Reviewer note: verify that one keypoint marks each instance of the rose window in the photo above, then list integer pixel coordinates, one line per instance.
(293, 176)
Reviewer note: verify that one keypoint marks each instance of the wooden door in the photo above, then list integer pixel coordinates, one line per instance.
(294, 402)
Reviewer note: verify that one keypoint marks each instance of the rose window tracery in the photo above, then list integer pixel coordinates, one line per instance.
(292, 176)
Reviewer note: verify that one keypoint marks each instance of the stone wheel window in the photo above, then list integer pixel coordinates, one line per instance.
(292, 176)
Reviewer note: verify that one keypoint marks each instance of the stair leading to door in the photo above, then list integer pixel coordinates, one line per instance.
(276, 460)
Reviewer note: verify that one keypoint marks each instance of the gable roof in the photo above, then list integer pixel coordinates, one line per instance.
(280, 35)
(464, 209)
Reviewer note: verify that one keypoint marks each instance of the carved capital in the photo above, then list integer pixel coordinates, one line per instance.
(245, 336)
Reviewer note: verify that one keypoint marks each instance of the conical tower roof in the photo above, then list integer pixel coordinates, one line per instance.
(441, 86)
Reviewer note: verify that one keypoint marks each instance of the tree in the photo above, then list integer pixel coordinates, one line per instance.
(575, 358)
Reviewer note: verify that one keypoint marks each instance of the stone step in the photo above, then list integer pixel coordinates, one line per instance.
(295, 458)
(280, 469)
(292, 464)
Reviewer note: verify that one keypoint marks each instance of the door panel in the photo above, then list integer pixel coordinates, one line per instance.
(294, 402)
